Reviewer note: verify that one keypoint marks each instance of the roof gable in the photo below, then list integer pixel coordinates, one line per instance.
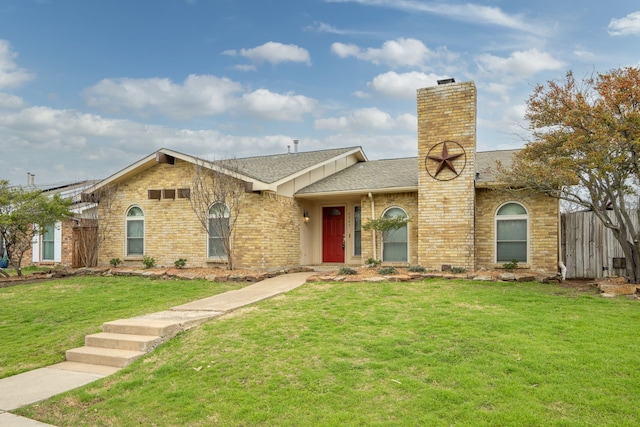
(264, 172)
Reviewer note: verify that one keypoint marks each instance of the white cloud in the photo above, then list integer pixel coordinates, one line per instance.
(395, 53)
(288, 107)
(519, 65)
(581, 52)
(367, 119)
(402, 85)
(274, 53)
(629, 25)
(10, 75)
(468, 12)
(199, 95)
(11, 102)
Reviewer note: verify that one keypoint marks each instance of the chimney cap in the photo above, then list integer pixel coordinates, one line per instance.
(446, 81)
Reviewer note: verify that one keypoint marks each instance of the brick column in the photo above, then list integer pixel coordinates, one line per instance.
(446, 199)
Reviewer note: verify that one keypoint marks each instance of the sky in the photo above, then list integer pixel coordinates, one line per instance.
(87, 88)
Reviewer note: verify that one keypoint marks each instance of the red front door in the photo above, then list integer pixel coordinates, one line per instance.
(333, 234)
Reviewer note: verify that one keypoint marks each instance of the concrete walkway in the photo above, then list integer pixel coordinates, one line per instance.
(41, 384)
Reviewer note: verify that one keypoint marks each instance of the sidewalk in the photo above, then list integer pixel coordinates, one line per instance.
(41, 384)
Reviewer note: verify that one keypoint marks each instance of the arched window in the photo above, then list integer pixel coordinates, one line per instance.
(135, 231)
(512, 231)
(218, 230)
(395, 242)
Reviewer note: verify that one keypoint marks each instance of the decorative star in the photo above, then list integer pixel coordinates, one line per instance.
(445, 160)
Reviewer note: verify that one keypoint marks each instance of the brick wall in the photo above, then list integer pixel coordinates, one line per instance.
(446, 204)
(268, 232)
(406, 201)
(543, 229)
(267, 235)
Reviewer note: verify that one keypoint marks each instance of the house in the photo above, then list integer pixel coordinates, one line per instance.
(68, 242)
(308, 208)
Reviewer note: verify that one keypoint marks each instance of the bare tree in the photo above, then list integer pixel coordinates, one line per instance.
(215, 198)
(94, 225)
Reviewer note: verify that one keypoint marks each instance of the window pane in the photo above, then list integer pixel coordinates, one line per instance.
(399, 235)
(216, 248)
(394, 252)
(394, 212)
(219, 210)
(218, 232)
(135, 246)
(395, 241)
(512, 229)
(135, 211)
(357, 233)
(48, 243)
(135, 228)
(47, 251)
(508, 251)
(512, 209)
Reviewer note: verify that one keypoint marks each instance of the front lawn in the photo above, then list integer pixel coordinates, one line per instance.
(436, 353)
(39, 322)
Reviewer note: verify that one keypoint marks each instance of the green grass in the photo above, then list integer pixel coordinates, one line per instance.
(26, 271)
(438, 353)
(39, 322)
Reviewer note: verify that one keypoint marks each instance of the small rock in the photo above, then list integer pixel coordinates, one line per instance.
(186, 276)
(483, 278)
(507, 277)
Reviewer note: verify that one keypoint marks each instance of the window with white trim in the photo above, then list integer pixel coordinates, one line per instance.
(48, 242)
(357, 231)
(135, 231)
(395, 243)
(512, 232)
(218, 230)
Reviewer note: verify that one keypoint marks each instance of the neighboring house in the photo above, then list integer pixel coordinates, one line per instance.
(61, 242)
(308, 208)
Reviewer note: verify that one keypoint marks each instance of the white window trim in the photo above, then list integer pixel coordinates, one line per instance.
(353, 232)
(525, 217)
(408, 234)
(214, 258)
(126, 235)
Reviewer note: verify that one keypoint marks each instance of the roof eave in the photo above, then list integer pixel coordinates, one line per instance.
(150, 160)
(358, 192)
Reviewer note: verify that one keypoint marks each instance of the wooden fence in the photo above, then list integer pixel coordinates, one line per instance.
(589, 249)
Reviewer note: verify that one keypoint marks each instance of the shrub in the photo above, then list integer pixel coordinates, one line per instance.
(388, 270)
(115, 262)
(370, 262)
(148, 261)
(458, 270)
(346, 271)
(180, 263)
(416, 269)
(510, 265)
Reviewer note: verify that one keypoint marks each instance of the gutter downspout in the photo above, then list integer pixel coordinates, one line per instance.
(373, 232)
(563, 268)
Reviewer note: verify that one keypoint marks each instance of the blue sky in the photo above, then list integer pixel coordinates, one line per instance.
(89, 87)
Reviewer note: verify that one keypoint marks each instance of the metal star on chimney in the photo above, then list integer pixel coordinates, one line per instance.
(445, 159)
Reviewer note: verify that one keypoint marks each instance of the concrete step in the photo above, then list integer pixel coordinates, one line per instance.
(144, 343)
(140, 326)
(103, 356)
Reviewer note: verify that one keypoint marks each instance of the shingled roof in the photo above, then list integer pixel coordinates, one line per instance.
(487, 162)
(398, 175)
(270, 169)
(369, 176)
